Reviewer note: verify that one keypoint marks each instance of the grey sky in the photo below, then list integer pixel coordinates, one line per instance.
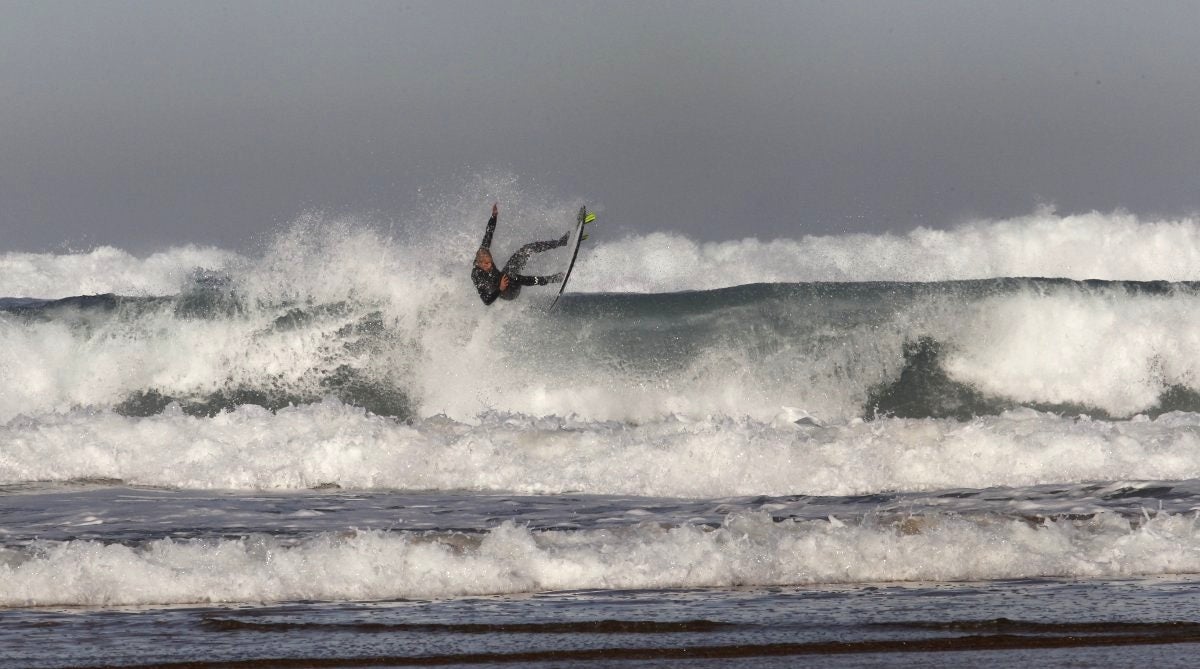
(146, 124)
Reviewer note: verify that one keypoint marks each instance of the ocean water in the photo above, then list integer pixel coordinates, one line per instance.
(973, 445)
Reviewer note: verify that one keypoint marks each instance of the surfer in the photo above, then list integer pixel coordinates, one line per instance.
(506, 283)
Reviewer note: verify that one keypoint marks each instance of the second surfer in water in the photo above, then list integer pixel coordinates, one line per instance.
(506, 283)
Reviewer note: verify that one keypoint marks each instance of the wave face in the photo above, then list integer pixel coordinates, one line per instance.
(957, 349)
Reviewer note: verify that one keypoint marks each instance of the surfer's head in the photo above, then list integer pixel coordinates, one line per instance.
(483, 260)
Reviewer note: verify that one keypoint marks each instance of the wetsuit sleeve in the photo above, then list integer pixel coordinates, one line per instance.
(487, 283)
(487, 234)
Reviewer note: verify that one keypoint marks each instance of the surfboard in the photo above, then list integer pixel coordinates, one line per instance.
(583, 219)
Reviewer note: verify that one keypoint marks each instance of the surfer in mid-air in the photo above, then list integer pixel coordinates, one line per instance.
(506, 283)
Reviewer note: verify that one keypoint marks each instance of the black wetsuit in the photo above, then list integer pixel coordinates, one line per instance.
(488, 283)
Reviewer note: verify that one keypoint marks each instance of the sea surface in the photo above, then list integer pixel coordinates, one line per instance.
(976, 445)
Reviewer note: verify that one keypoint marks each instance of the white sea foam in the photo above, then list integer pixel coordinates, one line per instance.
(106, 270)
(303, 447)
(747, 549)
(1117, 246)
(1102, 349)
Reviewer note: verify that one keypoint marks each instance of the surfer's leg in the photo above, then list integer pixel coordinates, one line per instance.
(517, 262)
(525, 280)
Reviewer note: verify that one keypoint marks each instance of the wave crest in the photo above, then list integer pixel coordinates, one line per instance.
(1094, 245)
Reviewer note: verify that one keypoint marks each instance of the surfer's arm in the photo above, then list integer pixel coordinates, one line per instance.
(491, 227)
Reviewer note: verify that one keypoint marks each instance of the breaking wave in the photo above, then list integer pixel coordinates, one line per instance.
(745, 550)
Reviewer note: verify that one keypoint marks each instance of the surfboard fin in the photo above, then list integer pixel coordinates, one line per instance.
(585, 217)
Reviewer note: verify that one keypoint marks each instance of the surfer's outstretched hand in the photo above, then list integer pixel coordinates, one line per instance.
(495, 209)
(503, 282)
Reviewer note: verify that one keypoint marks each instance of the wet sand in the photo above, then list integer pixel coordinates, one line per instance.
(1044, 622)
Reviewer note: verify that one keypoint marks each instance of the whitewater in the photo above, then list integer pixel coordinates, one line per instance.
(330, 428)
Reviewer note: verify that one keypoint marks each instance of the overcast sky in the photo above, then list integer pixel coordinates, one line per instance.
(148, 124)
